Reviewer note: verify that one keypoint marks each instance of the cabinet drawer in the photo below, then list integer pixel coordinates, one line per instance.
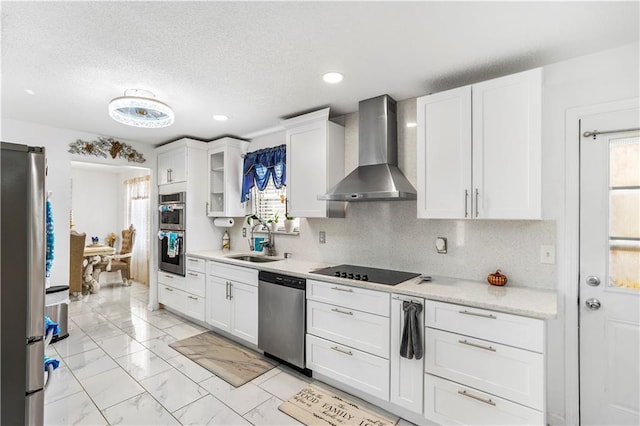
(195, 283)
(374, 302)
(176, 281)
(352, 367)
(513, 330)
(514, 374)
(232, 272)
(170, 297)
(194, 306)
(360, 330)
(195, 264)
(449, 403)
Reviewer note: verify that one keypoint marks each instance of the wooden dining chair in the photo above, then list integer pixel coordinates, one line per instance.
(76, 251)
(121, 261)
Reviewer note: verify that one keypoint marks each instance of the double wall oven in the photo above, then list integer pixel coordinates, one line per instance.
(172, 234)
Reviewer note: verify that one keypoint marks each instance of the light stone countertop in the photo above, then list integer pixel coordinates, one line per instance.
(525, 301)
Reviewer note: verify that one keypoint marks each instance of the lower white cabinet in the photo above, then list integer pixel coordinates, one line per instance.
(183, 294)
(407, 375)
(449, 403)
(232, 305)
(365, 372)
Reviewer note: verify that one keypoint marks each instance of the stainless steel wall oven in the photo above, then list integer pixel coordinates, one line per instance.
(172, 211)
(172, 221)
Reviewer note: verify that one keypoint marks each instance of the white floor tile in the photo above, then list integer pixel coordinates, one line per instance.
(88, 320)
(127, 320)
(62, 385)
(76, 343)
(173, 389)
(283, 385)
(208, 411)
(120, 345)
(76, 409)
(190, 369)
(242, 399)
(266, 376)
(143, 331)
(90, 363)
(111, 387)
(184, 330)
(160, 346)
(103, 331)
(267, 413)
(139, 410)
(143, 364)
(164, 320)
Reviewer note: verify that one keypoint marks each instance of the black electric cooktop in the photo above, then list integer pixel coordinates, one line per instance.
(363, 273)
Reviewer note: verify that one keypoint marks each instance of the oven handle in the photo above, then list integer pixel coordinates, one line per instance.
(164, 234)
(170, 207)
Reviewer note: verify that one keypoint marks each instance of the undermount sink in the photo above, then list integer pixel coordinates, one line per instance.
(250, 258)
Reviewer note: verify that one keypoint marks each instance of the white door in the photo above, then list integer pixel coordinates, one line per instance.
(610, 270)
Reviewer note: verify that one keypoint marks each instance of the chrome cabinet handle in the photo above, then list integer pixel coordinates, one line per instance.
(169, 276)
(193, 275)
(342, 351)
(475, 345)
(230, 290)
(192, 260)
(226, 289)
(477, 398)
(466, 201)
(475, 314)
(191, 297)
(348, 290)
(168, 288)
(477, 196)
(341, 312)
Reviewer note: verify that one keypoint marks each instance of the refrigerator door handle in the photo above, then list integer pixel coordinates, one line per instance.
(37, 214)
(35, 363)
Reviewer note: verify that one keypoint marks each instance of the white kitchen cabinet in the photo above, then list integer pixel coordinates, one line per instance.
(315, 163)
(232, 300)
(479, 150)
(225, 178)
(348, 335)
(484, 362)
(406, 387)
(172, 166)
(185, 294)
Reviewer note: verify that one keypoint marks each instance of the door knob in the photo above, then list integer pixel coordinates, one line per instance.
(593, 281)
(593, 304)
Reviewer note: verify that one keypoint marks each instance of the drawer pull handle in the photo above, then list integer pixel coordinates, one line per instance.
(476, 314)
(193, 275)
(475, 345)
(168, 288)
(477, 398)
(342, 351)
(342, 312)
(191, 297)
(192, 260)
(348, 290)
(169, 276)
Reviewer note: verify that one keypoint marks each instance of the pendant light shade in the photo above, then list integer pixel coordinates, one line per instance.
(139, 108)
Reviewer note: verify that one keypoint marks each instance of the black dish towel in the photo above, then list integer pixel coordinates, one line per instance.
(411, 345)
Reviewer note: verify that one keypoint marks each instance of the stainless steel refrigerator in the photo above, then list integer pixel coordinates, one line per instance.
(22, 292)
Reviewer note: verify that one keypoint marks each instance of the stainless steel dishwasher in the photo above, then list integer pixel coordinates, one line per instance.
(282, 317)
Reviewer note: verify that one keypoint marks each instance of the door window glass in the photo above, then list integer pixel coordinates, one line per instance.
(624, 213)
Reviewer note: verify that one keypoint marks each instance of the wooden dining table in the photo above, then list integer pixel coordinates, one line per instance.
(93, 254)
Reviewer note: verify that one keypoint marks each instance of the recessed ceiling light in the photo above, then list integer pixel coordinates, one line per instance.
(412, 124)
(220, 117)
(139, 108)
(332, 77)
(30, 92)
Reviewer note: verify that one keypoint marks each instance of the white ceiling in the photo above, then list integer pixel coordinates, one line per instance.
(258, 62)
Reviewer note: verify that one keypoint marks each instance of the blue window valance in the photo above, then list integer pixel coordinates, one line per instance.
(261, 165)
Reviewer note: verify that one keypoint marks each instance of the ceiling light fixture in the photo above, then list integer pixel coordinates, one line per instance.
(332, 77)
(139, 108)
(220, 117)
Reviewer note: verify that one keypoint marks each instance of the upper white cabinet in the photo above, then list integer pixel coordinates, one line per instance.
(479, 150)
(225, 178)
(172, 166)
(315, 163)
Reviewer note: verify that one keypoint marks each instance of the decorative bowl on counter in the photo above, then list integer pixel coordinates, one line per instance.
(497, 278)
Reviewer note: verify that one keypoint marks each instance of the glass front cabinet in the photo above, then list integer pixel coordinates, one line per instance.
(225, 178)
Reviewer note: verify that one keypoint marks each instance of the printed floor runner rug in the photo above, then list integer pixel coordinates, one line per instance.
(317, 406)
(225, 358)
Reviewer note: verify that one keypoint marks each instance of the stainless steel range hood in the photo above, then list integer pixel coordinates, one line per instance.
(377, 176)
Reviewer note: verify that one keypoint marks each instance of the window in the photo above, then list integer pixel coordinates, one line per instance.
(271, 202)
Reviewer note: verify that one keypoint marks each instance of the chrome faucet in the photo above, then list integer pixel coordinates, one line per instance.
(270, 243)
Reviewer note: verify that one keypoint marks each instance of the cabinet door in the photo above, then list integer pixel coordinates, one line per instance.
(507, 147)
(164, 164)
(218, 305)
(217, 178)
(406, 374)
(444, 154)
(307, 169)
(244, 321)
(172, 166)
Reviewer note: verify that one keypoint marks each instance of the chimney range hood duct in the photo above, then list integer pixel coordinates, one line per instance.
(377, 177)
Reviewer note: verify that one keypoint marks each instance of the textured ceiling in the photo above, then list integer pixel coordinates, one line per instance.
(258, 62)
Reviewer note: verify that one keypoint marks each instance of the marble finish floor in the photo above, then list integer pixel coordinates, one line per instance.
(117, 369)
